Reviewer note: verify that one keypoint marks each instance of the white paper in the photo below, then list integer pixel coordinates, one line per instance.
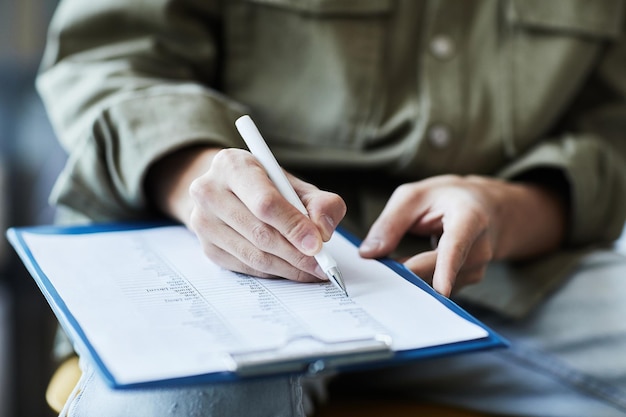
(154, 307)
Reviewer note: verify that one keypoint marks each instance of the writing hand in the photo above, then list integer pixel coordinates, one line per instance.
(477, 220)
(242, 221)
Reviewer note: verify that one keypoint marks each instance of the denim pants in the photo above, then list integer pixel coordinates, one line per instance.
(567, 359)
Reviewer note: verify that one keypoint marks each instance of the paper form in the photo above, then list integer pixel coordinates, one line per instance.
(154, 307)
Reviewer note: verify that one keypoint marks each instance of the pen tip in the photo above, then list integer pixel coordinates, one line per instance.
(336, 278)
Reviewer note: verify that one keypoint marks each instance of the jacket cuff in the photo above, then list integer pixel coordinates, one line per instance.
(596, 178)
(103, 179)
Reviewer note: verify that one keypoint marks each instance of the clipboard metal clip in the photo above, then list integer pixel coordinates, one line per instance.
(309, 356)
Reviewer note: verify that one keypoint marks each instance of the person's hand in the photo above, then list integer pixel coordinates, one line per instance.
(241, 220)
(473, 220)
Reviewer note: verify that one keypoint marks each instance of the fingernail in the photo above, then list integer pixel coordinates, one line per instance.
(330, 225)
(310, 244)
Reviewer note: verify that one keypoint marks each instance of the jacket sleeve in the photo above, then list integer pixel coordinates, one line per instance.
(588, 152)
(125, 82)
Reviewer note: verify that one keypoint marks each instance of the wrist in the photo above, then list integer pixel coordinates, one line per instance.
(535, 220)
(168, 180)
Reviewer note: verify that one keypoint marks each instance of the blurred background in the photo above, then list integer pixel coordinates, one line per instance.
(30, 159)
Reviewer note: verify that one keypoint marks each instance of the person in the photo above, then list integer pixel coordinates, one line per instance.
(481, 143)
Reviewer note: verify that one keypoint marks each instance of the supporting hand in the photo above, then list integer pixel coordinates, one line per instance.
(476, 220)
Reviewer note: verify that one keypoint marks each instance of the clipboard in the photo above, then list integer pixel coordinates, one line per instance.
(299, 353)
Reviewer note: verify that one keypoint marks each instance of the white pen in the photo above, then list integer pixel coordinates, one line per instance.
(258, 148)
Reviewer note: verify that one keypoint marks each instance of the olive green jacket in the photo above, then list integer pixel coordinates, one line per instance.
(355, 95)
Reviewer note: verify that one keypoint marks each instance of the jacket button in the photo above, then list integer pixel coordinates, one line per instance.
(442, 46)
(439, 136)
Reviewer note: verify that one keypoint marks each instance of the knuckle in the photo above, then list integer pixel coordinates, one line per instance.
(405, 194)
(303, 262)
(257, 259)
(297, 227)
(264, 205)
(454, 178)
(481, 219)
(203, 190)
(197, 189)
(206, 185)
(302, 276)
(405, 189)
(450, 178)
(262, 236)
(225, 157)
(444, 180)
(198, 223)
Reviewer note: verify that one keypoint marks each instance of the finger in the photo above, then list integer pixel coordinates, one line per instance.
(402, 210)
(225, 221)
(325, 209)
(264, 249)
(232, 263)
(232, 251)
(249, 182)
(460, 232)
(259, 194)
(423, 265)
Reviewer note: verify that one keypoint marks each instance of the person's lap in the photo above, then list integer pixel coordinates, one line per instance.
(567, 359)
(262, 397)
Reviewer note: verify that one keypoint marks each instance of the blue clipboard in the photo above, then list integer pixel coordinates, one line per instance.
(357, 355)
